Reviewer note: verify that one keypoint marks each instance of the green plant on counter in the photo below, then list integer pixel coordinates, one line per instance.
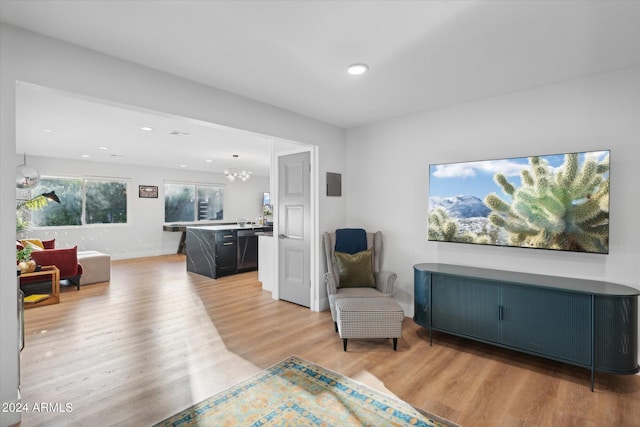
(566, 208)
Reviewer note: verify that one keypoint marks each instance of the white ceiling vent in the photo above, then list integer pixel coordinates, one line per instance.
(178, 133)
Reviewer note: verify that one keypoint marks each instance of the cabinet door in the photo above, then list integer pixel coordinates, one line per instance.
(552, 323)
(225, 258)
(421, 296)
(616, 334)
(247, 247)
(466, 306)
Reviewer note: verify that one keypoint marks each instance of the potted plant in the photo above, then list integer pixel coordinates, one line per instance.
(22, 224)
(25, 263)
(38, 202)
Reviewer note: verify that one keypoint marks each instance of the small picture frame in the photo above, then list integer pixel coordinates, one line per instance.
(148, 191)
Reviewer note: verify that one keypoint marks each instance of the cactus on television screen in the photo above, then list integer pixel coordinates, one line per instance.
(558, 202)
(565, 208)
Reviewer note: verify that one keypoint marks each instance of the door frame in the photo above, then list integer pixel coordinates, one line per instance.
(314, 262)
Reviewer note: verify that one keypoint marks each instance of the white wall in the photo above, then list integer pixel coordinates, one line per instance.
(143, 234)
(29, 57)
(387, 181)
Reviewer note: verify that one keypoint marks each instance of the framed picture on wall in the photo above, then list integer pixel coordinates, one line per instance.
(148, 191)
(334, 184)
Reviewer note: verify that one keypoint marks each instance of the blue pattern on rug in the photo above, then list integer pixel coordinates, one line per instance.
(299, 393)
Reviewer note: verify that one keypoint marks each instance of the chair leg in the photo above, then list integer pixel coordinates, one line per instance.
(344, 344)
(395, 344)
(336, 325)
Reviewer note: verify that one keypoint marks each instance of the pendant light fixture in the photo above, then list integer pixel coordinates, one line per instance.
(26, 176)
(234, 173)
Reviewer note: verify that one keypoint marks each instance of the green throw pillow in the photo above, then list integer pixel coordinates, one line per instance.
(356, 270)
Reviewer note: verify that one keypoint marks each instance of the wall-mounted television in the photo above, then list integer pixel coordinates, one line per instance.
(558, 202)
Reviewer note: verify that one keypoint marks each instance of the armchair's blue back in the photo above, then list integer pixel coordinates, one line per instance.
(351, 240)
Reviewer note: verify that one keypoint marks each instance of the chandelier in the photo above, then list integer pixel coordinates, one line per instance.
(233, 174)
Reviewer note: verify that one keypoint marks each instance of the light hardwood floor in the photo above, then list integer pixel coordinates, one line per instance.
(157, 339)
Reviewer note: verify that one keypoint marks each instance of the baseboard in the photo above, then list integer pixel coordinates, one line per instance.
(323, 304)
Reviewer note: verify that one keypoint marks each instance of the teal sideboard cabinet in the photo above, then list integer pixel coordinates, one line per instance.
(587, 323)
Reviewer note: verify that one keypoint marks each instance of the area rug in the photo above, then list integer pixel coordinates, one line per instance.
(296, 392)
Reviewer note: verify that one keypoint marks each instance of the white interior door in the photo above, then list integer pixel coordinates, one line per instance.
(294, 217)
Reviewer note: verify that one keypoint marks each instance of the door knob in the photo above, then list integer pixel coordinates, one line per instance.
(282, 236)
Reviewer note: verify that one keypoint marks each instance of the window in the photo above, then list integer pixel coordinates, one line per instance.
(83, 201)
(193, 202)
(105, 202)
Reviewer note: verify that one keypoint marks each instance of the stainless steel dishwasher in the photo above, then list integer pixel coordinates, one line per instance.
(247, 250)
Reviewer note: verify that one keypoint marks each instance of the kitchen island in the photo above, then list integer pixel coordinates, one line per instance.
(220, 250)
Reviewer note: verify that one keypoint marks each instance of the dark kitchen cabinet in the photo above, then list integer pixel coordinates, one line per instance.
(225, 252)
(221, 252)
(211, 253)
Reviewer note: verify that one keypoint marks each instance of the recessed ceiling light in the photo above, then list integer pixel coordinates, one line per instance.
(208, 160)
(85, 156)
(183, 166)
(147, 128)
(47, 130)
(357, 69)
(103, 148)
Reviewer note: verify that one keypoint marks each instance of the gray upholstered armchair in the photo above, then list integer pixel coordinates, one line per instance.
(383, 281)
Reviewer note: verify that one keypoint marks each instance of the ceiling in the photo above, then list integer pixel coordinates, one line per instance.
(56, 124)
(293, 54)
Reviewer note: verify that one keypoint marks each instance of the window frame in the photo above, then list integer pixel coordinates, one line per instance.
(83, 196)
(196, 185)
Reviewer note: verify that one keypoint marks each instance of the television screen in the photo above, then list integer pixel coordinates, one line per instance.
(558, 202)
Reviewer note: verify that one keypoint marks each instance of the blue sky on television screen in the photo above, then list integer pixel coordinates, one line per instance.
(476, 178)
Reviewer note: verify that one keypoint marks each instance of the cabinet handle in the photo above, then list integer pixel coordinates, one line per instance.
(500, 313)
(228, 243)
(229, 235)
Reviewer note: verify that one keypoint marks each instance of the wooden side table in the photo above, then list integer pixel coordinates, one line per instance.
(54, 296)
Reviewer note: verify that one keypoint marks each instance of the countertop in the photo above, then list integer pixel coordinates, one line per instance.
(233, 227)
